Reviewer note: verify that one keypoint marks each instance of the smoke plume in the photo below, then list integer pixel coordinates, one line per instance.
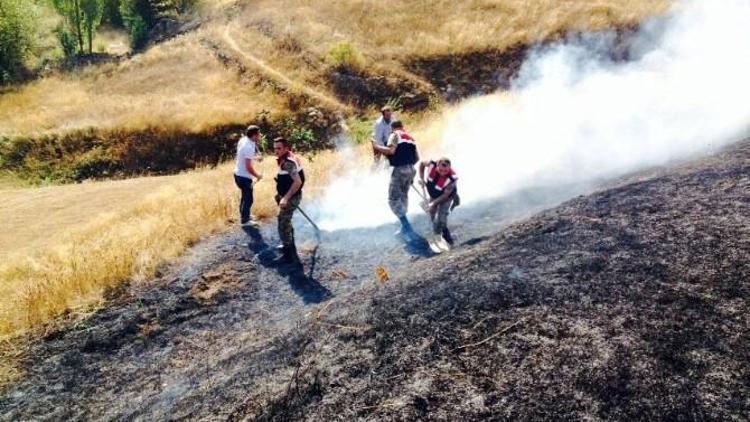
(575, 115)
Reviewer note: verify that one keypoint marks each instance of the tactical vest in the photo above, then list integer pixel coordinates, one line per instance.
(284, 179)
(406, 150)
(436, 183)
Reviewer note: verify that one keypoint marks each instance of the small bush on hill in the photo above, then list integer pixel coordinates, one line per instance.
(344, 54)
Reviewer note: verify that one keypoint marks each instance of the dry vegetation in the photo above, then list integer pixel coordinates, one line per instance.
(181, 84)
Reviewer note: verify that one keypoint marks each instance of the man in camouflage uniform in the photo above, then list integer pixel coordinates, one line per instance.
(289, 183)
(402, 154)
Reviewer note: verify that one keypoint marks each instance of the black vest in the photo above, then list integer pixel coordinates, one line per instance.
(406, 151)
(284, 180)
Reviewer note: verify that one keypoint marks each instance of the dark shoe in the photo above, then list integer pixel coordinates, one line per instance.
(448, 237)
(288, 257)
(405, 230)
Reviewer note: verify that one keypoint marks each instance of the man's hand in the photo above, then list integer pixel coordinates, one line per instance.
(283, 203)
(258, 177)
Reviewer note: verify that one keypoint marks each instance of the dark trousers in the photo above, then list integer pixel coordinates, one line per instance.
(246, 200)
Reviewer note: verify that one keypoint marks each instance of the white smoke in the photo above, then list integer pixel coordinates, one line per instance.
(574, 115)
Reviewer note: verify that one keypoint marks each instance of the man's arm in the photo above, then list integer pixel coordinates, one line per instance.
(290, 168)
(445, 196)
(251, 169)
(390, 149)
(422, 166)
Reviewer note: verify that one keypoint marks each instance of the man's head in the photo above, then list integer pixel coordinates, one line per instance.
(387, 112)
(280, 146)
(397, 125)
(444, 166)
(253, 132)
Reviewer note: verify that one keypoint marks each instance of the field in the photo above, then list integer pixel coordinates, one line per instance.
(65, 245)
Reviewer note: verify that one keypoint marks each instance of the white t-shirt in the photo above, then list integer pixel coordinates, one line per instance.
(245, 150)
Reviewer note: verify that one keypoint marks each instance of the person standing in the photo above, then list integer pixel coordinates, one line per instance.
(244, 171)
(443, 197)
(381, 130)
(402, 154)
(289, 182)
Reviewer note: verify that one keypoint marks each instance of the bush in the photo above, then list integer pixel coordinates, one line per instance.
(17, 23)
(300, 137)
(67, 41)
(344, 54)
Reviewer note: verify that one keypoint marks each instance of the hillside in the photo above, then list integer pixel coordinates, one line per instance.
(626, 304)
(268, 61)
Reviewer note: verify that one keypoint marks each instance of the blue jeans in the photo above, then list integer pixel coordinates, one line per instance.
(246, 199)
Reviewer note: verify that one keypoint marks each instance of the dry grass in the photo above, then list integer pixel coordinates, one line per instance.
(176, 85)
(180, 84)
(79, 240)
(66, 244)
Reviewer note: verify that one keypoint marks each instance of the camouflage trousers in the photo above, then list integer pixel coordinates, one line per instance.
(440, 217)
(398, 191)
(286, 229)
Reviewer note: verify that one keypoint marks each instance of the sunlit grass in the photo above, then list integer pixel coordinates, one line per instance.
(181, 84)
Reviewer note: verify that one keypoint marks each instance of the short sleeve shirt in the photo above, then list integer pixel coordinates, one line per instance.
(245, 151)
(381, 130)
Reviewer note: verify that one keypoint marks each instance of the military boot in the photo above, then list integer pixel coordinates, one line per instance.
(405, 230)
(448, 237)
(288, 256)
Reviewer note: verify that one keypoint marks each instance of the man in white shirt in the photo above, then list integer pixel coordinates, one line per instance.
(381, 131)
(244, 171)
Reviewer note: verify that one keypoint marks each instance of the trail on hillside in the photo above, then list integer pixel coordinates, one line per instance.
(268, 70)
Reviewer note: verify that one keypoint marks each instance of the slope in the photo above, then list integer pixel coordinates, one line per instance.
(629, 303)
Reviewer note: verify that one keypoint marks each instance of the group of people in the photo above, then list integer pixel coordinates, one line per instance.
(290, 180)
(390, 139)
(437, 179)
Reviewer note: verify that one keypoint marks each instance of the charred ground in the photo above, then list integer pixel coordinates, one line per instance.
(629, 303)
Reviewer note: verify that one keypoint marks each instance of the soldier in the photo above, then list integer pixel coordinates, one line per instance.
(443, 197)
(402, 155)
(289, 183)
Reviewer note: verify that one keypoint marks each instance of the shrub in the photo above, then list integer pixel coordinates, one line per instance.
(17, 23)
(344, 54)
(67, 41)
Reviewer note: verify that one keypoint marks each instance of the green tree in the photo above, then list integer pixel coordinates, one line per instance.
(17, 23)
(92, 17)
(71, 11)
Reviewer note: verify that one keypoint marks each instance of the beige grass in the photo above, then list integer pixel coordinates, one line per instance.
(180, 84)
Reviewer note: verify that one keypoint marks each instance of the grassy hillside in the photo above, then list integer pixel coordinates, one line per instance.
(230, 69)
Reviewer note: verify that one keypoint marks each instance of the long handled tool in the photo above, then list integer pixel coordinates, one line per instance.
(424, 202)
(312, 223)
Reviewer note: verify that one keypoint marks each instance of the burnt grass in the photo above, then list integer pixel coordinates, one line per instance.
(629, 303)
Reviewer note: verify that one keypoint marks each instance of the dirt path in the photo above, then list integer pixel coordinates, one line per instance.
(279, 76)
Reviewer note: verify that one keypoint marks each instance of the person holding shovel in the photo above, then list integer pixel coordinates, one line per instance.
(441, 200)
(289, 182)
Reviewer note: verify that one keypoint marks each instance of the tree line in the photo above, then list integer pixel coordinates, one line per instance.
(80, 21)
